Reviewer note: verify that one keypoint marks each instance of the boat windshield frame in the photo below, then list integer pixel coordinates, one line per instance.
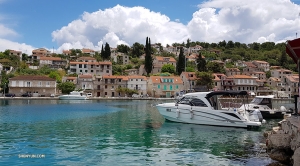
(192, 101)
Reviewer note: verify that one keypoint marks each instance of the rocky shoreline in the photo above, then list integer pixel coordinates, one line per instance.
(283, 142)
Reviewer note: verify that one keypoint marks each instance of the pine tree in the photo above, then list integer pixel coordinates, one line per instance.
(181, 62)
(148, 58)
(283, 59)
(201, 63)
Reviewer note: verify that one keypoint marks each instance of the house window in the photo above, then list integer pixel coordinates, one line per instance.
(120, 80)
(105, 86)
(107, 71)
(177, 87)
(28, 84)
(80, 65)
(98, 79)
(158, 86)
(92, 71)
(40, 84)
(85, 66)
(85, 71)
(165, 87)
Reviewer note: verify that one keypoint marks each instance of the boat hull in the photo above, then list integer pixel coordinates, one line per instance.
(272, 115)
(204, 117)
(69, 97)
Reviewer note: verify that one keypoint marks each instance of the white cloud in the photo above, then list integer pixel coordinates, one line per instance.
(214, 21)
(246, 21)
(6, 32)
(7, 44)
(121, 25)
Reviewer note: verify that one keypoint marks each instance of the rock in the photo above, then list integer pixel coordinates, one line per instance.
(276, 164)
(296, 157)
(281, 155)
(279, 141)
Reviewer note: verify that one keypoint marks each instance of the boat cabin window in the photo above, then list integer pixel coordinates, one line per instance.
(261, 101)
(192, 101)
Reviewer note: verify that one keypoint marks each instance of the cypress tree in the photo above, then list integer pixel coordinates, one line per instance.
(102, 53)
(201, 63)
(181, 62)
(148, 58)
(107, 51)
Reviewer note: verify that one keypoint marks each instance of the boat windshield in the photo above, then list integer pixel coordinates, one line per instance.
(261, 101)
(192, 101)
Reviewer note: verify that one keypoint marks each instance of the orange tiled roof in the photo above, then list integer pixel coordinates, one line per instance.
(188, 75)
(85, 76)
(50, 58)
(86, 58)
(250, 64)
(15, 51)
(160, 58)
(157, 79)
(86, 50)
(71, 78)
(92, 63)
(240, 76)
(261, 61)
(137, 77)
(32, 77)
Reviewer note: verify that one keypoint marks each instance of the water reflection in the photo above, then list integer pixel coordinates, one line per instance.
(116, 132)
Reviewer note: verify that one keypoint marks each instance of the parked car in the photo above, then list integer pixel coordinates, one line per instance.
(10, 95)
(26, 95)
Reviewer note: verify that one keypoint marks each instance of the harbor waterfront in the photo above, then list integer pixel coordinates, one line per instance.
(118, 132)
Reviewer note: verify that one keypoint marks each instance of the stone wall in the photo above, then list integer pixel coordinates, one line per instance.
(283, 142)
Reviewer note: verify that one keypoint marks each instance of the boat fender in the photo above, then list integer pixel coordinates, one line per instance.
(283, 109)
(259, 115)
(177, 113)
(191, 113)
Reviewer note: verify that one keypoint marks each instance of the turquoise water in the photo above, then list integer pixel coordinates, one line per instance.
(54, 132)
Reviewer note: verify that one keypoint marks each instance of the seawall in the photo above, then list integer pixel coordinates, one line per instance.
(283, 142)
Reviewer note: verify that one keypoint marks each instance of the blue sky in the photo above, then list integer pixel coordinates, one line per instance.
(66, 24)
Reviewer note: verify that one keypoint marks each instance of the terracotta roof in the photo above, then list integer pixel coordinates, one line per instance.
(157, 79)
(71, 78)
(86, 58)
(165, 59)
(92, 63)
(137, 77)
(275, 79)
(85, 76)
(217, 75)
(241, 76)
(40, 50)
(115, 77)
(50, 58)
(66, 51)
(32, 77)
(232, 69)
(261, 61)
(15, 51)
(86, 50)
(250, 64)
(293, 78)
(190, 75)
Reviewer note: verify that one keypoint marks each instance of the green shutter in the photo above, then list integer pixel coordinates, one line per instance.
(165, 87)
(158, 86)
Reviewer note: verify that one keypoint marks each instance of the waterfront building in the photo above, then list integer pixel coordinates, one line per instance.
(262, 65)
(110, 86)
(85, 82)
(164, 86)
(35, 85)
(138, 83)
(279, 73)
(240, 82)
(189, 81)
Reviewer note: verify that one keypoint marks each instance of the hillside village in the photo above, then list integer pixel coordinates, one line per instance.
(87, 72)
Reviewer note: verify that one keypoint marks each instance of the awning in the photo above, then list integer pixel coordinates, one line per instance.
(293, 49)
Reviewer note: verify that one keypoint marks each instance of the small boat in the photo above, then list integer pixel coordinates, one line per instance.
(204, 108)
(264, 104)
(74, 95)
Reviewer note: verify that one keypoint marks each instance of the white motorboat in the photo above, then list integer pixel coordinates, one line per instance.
(264, 104)
(203, 108)
(74, 95)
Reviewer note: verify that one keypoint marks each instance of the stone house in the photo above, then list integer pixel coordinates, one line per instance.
(240, 82)
(37, 53)
(139, 83)
(120, 58)
(85, 82)
(88, 52)
(188, 80)
(159, 61)
(164, 86)
(262, 65)
(36, 85)
(279, 73)
(53, 62)
(16, 53)
(290, 83)
(110, 84)
(217, 80)
(89, 65)
(232, 71)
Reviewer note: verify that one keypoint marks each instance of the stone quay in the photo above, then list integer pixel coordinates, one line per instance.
(283, 142)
